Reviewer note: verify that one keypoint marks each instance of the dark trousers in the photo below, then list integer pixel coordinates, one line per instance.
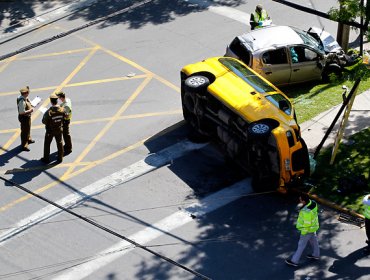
(67, 136)
(367, 229)
(49, 135)
(25, 130)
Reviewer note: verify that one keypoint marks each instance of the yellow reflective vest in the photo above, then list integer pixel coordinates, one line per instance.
(366, 202)
(259, 18)
(308, 219)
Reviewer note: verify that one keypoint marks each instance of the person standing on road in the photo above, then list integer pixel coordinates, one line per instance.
(25, 110)
(53, 120)
(366, 202)
(67, 106)
(257, 18)
(307, 224)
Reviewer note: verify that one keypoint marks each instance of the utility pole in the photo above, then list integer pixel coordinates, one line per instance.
(343, 31)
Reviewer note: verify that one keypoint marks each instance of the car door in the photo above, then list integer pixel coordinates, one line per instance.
(275, 66)
(305, 64)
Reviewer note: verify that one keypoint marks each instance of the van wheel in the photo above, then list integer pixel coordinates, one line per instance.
(259, 129)
(196, 83)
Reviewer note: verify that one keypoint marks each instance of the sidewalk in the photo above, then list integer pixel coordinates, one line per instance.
(314, 130)
(20, 18)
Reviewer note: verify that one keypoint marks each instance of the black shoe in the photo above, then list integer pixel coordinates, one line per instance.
(59, 161)
(26, 149)
(31, 141)
(66, 153)
(45, 160)
(289, 262)
(312, 257)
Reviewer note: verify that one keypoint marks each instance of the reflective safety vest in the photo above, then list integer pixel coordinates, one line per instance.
(260, 17)
(308, 219)
(366, 202)
(67, 106)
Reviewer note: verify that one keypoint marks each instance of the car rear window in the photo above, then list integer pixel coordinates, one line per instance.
(247, 75)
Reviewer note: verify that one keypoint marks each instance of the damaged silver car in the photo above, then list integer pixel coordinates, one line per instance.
(286, 55)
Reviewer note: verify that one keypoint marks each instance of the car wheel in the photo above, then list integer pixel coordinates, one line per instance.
(196, 83)
(259, 129)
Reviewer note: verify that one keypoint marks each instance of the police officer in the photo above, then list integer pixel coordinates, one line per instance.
(257, 18)
(307, 224)
(366, 203)
(53, 120)
(66, 104)
(24, 116)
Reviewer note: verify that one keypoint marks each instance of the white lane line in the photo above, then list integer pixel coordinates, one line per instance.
(170, 223)
(223, 11)
(135, 170)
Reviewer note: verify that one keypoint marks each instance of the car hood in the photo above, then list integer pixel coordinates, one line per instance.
(326, 39)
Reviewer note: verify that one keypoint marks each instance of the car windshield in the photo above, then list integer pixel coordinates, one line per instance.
(308, 39)
(281, 102)
(247, 75)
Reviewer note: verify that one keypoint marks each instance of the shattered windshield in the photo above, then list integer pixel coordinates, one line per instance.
(308, 39)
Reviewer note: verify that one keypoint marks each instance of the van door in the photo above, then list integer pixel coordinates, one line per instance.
(305, 64)
(275, 66)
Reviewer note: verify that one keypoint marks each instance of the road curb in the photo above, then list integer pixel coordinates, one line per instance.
(67, 10)
(331, 204)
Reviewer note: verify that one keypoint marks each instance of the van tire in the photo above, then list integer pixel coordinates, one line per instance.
(196, 83)
(259, 129)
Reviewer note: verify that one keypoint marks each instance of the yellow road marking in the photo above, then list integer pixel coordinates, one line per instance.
(110, 123)
(134, 116)
(42, 167)
(66, 81)
(7, 63)
(55, 54)
(69, 176)
(109, 80)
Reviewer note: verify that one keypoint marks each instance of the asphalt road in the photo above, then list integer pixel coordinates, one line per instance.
(134, 169)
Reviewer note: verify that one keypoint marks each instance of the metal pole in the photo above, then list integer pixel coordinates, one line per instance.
(344, 104)
(361, 29)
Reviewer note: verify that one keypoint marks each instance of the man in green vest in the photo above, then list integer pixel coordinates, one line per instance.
(366, 202)
(258, 17)
(307, 224)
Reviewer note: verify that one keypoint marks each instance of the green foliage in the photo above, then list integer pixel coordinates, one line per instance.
(349, 11)
(352, 161)
(311, 99)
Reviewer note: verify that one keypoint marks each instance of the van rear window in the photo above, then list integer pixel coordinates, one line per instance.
(247, 75)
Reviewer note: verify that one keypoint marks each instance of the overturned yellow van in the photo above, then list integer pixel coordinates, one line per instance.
(255, 122)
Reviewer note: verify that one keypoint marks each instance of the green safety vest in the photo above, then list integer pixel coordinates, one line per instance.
(67, 105)
(308, 219)
(366, 202)
(257, 17)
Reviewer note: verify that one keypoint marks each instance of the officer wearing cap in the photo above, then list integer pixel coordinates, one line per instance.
(25, 110)
(66, 104)
(53, 120)
(257, 18)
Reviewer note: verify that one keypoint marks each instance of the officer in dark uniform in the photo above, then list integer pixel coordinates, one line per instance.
(66, 104)
(24, 116)
(53, 120)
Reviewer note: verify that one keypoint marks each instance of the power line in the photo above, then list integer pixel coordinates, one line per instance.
(201, 276)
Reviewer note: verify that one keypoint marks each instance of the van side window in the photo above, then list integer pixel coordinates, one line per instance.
(275, 57)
